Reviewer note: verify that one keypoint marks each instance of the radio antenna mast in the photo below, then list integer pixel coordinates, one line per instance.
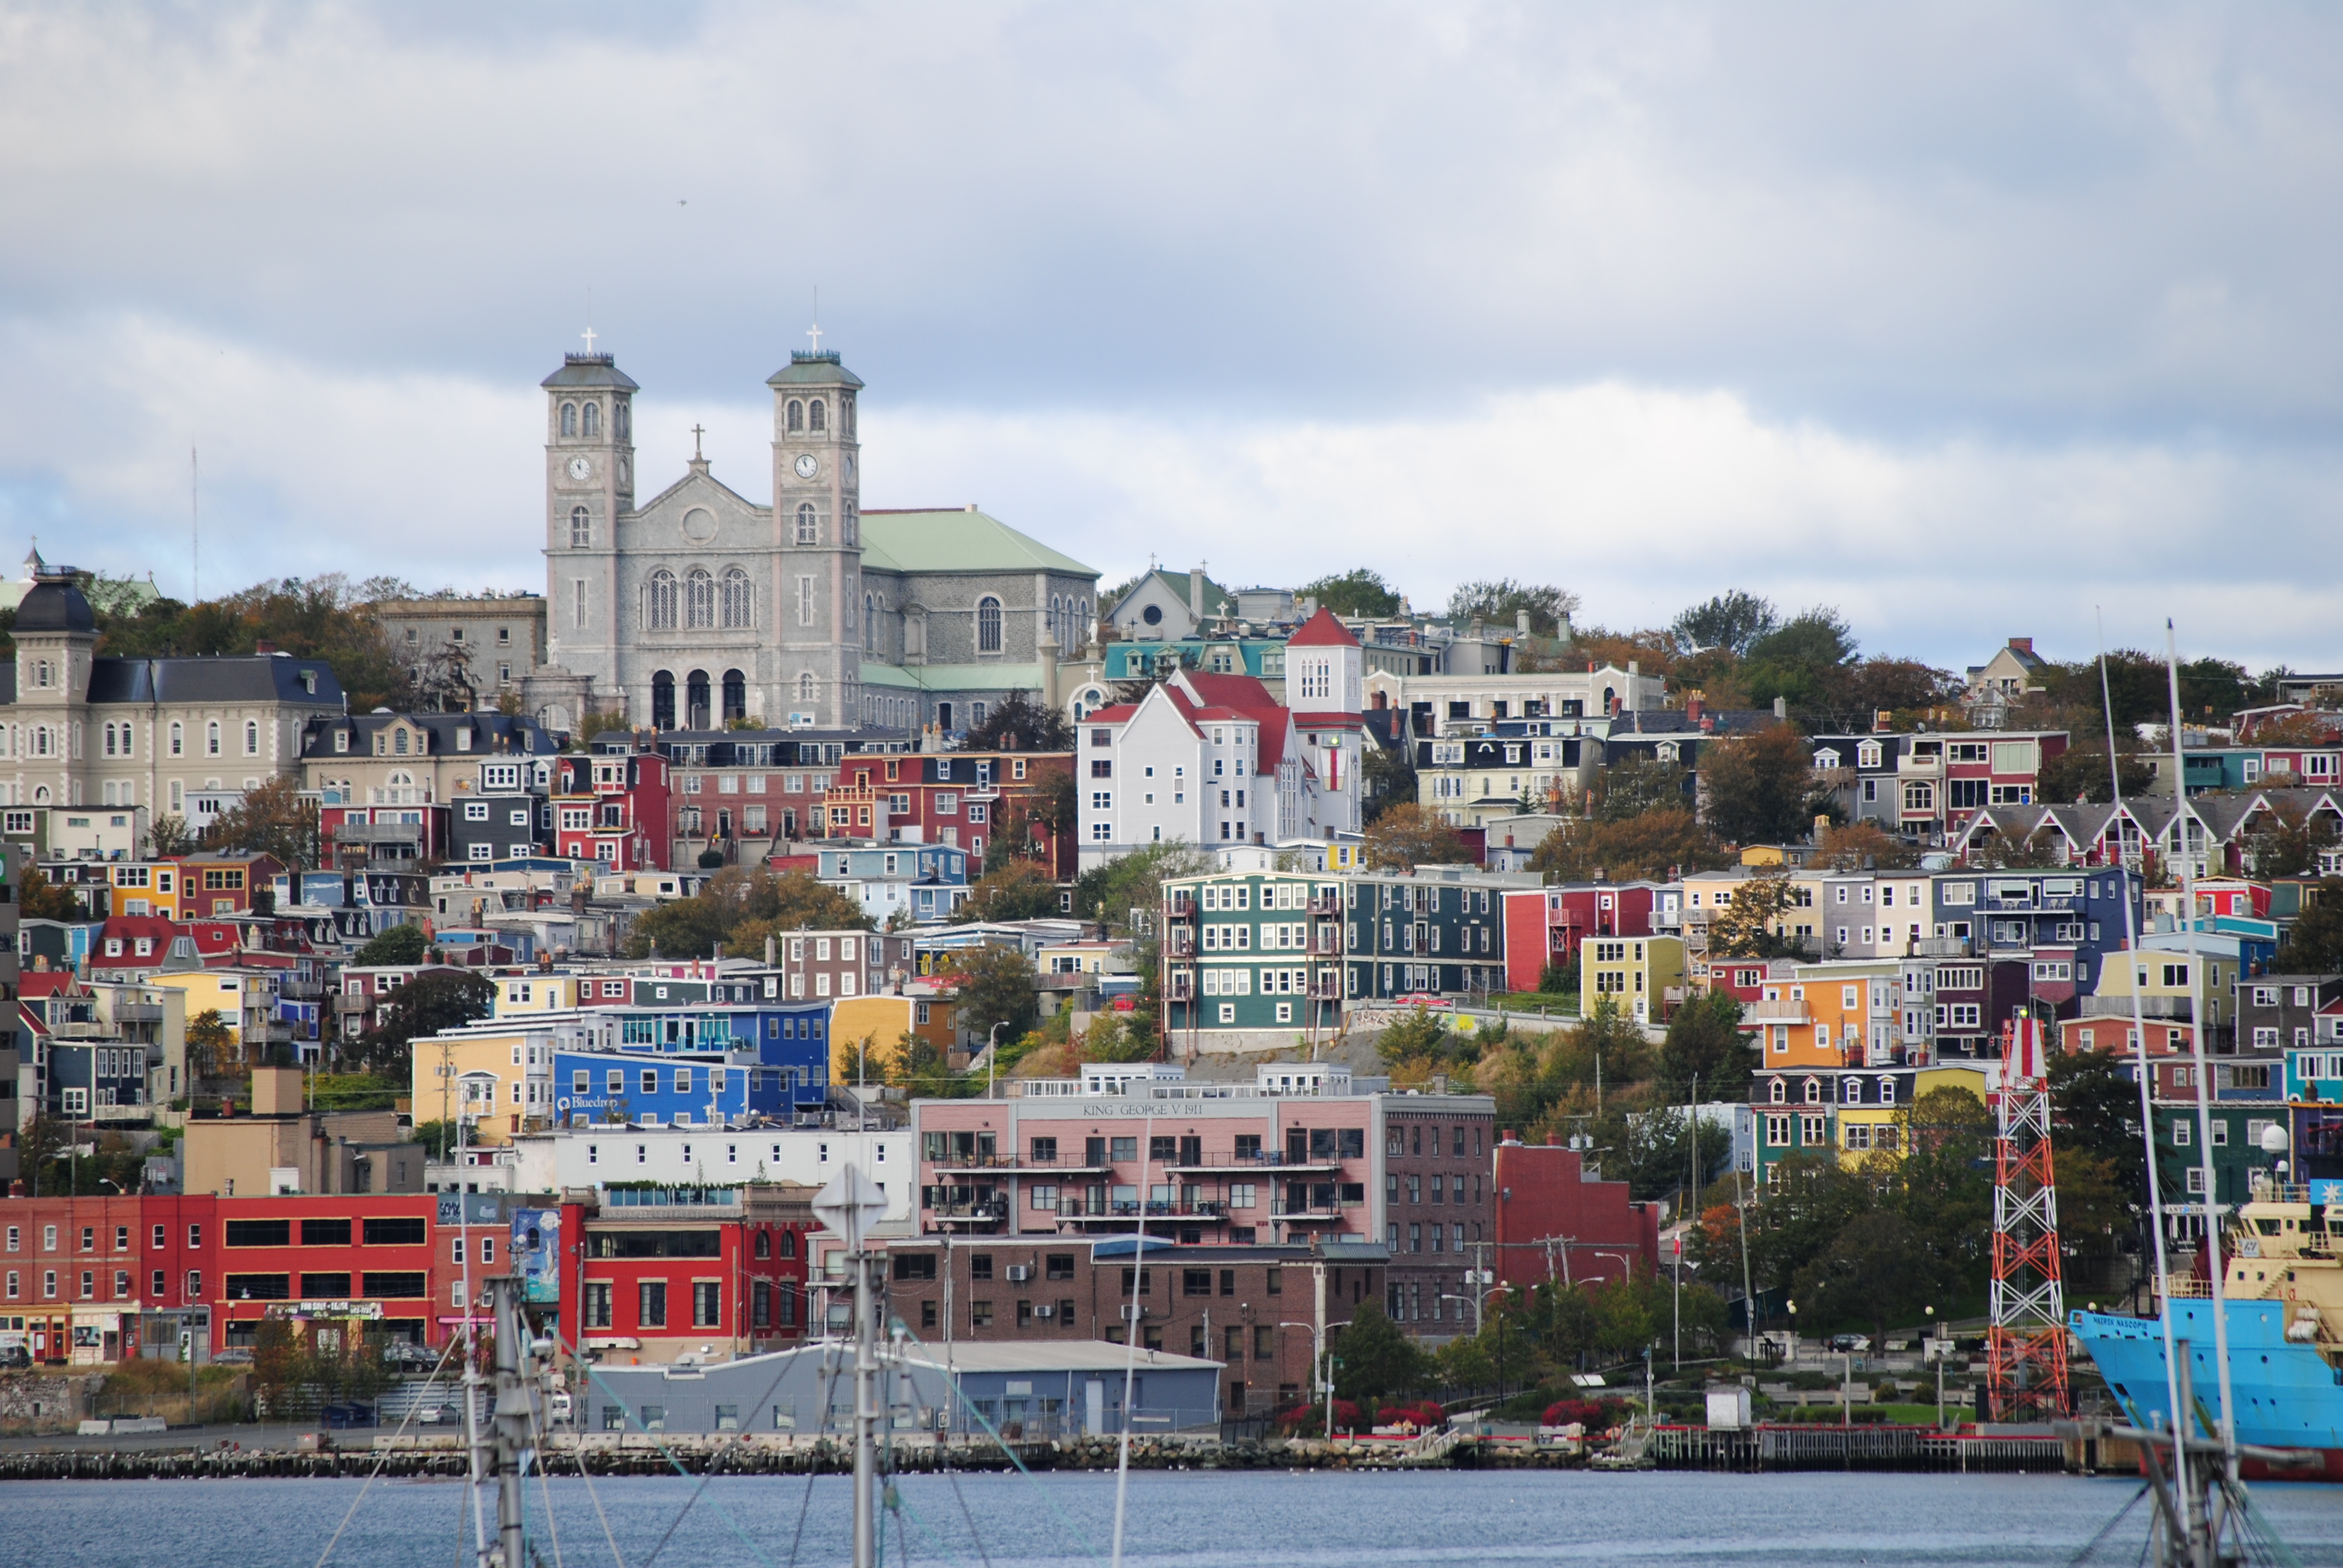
(195, 530)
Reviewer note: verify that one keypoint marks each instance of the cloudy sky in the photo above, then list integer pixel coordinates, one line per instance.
(1962, 318)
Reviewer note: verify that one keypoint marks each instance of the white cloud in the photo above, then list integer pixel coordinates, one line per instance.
(1959, 317)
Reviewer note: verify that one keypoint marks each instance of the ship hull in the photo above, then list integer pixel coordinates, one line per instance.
(2288, 1395)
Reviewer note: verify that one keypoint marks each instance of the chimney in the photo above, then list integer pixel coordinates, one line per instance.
(1553, 1140)
(1509, 1136)
(1781, 708)
(1047, 650)
(1196, 592)
(1882, 721)
(2021, 645)
(263, 644)
(276, 1092)
(1522, 622)
(1695, 703)
(1822, 827)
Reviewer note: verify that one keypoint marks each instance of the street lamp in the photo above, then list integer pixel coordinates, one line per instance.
(991, 1055)
(1937, 1356)
(1319, 1369)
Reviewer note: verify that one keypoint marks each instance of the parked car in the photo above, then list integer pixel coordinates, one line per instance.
(1854, 1342)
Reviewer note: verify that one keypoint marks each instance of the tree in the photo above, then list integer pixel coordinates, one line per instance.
(2314, 944)
(1944, 1182)
(1756, 786)
(737, 910)
(169, 837)
(2288, 840)
(1705, 1046)
(38, 898)
(593, 722)
(1501, 601)
(437, 1138)
(1750, 926)
(430, 1003)
(1389, 778)
(273, 818)
(1418, 1034)
(1017, 723)
(209, 1041)
(1879, 1268)
(1653, 846)
(1019, 890)
(1407, 836)
(1855, 846)
(1108, 893)
(328, 618)
(1655, 1152)
(1357, 592)
(1731, 621)
(1637, 785)
(2081, 773)
(1376, 1359)
(392, 946)
(996, 986)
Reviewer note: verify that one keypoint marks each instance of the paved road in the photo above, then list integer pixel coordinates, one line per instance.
(271, 1436)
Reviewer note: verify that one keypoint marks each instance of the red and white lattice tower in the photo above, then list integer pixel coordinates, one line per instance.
(2025, 1349)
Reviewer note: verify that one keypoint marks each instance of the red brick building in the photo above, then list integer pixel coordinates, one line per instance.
(1555, 1223)
(667, 1272)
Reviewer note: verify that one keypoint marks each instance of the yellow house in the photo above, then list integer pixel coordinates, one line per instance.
(146, 888)
(885, 1020)
(1871, 1127)
(246, 1001)
(524, 994)
(498, 1077)
(1635, 973)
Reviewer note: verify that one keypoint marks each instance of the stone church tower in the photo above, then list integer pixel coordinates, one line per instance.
(818, 535)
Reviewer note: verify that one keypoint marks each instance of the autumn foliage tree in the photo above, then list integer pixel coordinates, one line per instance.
(1408, 836)
(1645, 847)
(1756, 786)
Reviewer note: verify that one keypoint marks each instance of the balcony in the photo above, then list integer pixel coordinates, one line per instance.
(1180, 985)
(1267, 1160)
(982, 1212)
(1017, 1163)
(1326, 942)
(1310, 1213)
(1326, 906)
(2158, 1007)
(1130, 1211)
(1180, 943)
(1180, 904)
(1775, 1012)
(1326, 986)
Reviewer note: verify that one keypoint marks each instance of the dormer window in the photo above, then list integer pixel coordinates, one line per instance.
(1867, 755)
(1814, 1091)
(341, 741)
(1826, 758)
(1781, 1092)
(463, 738)
(398, 741)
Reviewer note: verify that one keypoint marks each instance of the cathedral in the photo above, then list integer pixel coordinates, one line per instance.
(698, 607)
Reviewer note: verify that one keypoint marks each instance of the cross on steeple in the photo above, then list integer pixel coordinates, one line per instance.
(814, 332)
(589, 335)
(697, 431)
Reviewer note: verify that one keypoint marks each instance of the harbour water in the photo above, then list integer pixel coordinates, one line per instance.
(1178, 1520)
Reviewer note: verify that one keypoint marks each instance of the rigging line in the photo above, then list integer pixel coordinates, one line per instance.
(543, 1484)
(2146, 1075)
(709, 1473)
(668, 1454)
(943, 1460)
(596, 1499)
(2106, 1530)
(380, 1459)
(982, 1420)
(829, 1393)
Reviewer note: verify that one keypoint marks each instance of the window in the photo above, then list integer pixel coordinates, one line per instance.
(650, 1303)
(699, 601)
(598, 1306)
(737, 603)
(661, 601)
(397, 1230)
(808, 523)
(581, 528)
(707, 1303)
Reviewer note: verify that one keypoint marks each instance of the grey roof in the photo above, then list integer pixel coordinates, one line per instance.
(54, 603)
(813, 368)
(590, 370)
(522, 735)
(239, 678)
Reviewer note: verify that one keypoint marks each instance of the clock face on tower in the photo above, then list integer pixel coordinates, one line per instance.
(580, 468)
(808, 464)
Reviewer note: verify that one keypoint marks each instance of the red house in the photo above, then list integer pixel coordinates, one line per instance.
(1545, 925)
(1556, 1224)
(677, 1270)
(613, 808)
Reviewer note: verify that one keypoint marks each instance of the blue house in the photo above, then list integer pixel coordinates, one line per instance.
(592, 1087)
(793, 1039)
(2018, 911)
(91, 1082)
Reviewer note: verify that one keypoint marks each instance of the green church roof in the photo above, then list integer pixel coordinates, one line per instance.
(960, 540)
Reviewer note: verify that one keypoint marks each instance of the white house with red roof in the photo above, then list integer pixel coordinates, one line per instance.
(1211, 760)
(1326, 688)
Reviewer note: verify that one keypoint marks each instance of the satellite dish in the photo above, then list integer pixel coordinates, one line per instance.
(850, 1205)
(2274, 1139)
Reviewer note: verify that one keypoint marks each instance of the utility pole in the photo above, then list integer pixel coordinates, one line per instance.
(1324, 1370)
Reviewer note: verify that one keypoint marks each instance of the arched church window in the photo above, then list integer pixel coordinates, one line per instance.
(212, 739)
(870, 621)
(808, 526)
(796, 414)
(846, 415)
(622, 426)
(659, 601)
(694, 700)
(735, 696)
(581, 528)
(987, 625)
(569, 419)
(699, 601)
(662, 700)
(851, 523)
(805, 687)
(816, 414)
(178, 739)
(398, 741)
(251, 739)
(591, 419)
(739, 608)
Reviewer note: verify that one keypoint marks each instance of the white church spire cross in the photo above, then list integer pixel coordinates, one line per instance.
(589, 335)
